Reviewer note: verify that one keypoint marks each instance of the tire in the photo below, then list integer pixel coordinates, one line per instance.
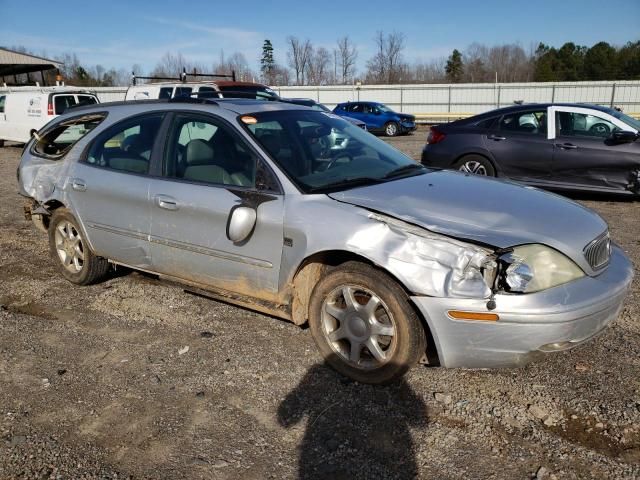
(345, 332)
(1, 143)
(391, 129)
(70, 251)
(475, 164)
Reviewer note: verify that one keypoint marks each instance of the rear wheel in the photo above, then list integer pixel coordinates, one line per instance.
(475, 164)
(391, 129)
(71, 253)
(1, 143)
(363, 324)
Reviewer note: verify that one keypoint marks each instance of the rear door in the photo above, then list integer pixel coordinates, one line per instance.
(109, 189)
(519, 144)
(585, 156)
(208, 171)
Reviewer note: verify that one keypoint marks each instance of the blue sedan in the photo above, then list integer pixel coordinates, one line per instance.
(378, 117)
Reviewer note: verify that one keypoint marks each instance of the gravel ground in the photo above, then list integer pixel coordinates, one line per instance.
(134, 378)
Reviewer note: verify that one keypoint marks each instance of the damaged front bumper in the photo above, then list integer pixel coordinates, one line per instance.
(529, 325)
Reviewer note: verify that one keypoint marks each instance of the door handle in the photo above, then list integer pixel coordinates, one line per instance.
(166, 202)
(566, 146)
(497, 138)
(78, 185)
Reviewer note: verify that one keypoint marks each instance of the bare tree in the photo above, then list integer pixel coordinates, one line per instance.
(387, 66)
(237, 63)
(347, 57)
(318, 68)
(170, 65)
(298, 55)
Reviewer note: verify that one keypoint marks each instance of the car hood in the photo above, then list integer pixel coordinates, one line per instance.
(488, 211)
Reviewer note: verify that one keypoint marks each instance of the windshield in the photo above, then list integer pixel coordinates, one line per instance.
(384, 108)
(322, 153)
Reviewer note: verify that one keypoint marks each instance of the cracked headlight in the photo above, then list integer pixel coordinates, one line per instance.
(535, 267)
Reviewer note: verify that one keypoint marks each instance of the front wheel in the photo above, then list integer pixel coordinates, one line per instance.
(475, 164)
(364, 326)
(391, 129)
(71, 253)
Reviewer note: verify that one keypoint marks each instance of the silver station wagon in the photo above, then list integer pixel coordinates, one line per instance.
(390, 263)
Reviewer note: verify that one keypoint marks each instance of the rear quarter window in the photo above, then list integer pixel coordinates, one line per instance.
(56, 142)
(487, 123)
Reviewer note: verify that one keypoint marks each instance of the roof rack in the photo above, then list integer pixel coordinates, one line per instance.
(183, 76)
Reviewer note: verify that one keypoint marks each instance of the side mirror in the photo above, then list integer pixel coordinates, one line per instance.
(376, 112)
(623, 136)
(242, 221)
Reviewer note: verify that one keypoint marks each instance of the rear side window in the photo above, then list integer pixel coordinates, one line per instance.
(165, 92)
(62, 102)
(57, 141)
(87, 100)
(180, 91)
(2, 97)
(532, 122)
(487, 123)
(127, 146)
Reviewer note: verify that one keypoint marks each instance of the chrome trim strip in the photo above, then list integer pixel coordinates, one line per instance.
(118, 231)
(184, 246)
(210, 251)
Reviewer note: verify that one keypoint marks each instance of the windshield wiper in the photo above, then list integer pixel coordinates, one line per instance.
(348, 182)
(404, 170)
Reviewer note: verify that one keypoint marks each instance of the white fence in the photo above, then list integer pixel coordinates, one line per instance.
(439, 100)
(474, 98)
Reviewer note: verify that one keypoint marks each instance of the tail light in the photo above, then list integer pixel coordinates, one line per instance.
(50, 109)
(435, 136)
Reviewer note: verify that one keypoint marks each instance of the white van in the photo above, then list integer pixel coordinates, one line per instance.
(155, 91)
(25, 110)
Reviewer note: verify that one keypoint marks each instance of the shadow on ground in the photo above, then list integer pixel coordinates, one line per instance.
(353, 430)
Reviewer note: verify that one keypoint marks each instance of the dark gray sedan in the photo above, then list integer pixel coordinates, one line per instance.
(554, 146)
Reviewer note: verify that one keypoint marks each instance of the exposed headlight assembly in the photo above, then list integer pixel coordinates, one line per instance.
(535, 267)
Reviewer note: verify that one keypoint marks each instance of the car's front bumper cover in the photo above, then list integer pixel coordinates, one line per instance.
(530, 324)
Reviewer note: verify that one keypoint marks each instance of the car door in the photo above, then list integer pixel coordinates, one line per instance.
(356, 110)
(520, 147)
(585, 155)
(208, 172)
(373, 116)
(109, 189)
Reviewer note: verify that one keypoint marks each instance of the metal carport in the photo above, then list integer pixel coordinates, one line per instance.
(14, 63)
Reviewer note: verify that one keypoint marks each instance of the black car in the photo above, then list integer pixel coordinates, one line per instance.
(554, 146)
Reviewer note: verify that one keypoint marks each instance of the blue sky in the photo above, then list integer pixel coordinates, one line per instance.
(120, 33)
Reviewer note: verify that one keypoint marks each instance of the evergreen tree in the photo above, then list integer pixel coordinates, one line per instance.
(600, 62)
(455, 67)
(267, 63)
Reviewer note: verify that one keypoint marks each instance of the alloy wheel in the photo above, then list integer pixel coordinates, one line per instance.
(69, 246)
(474, 167)
(358, 326)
